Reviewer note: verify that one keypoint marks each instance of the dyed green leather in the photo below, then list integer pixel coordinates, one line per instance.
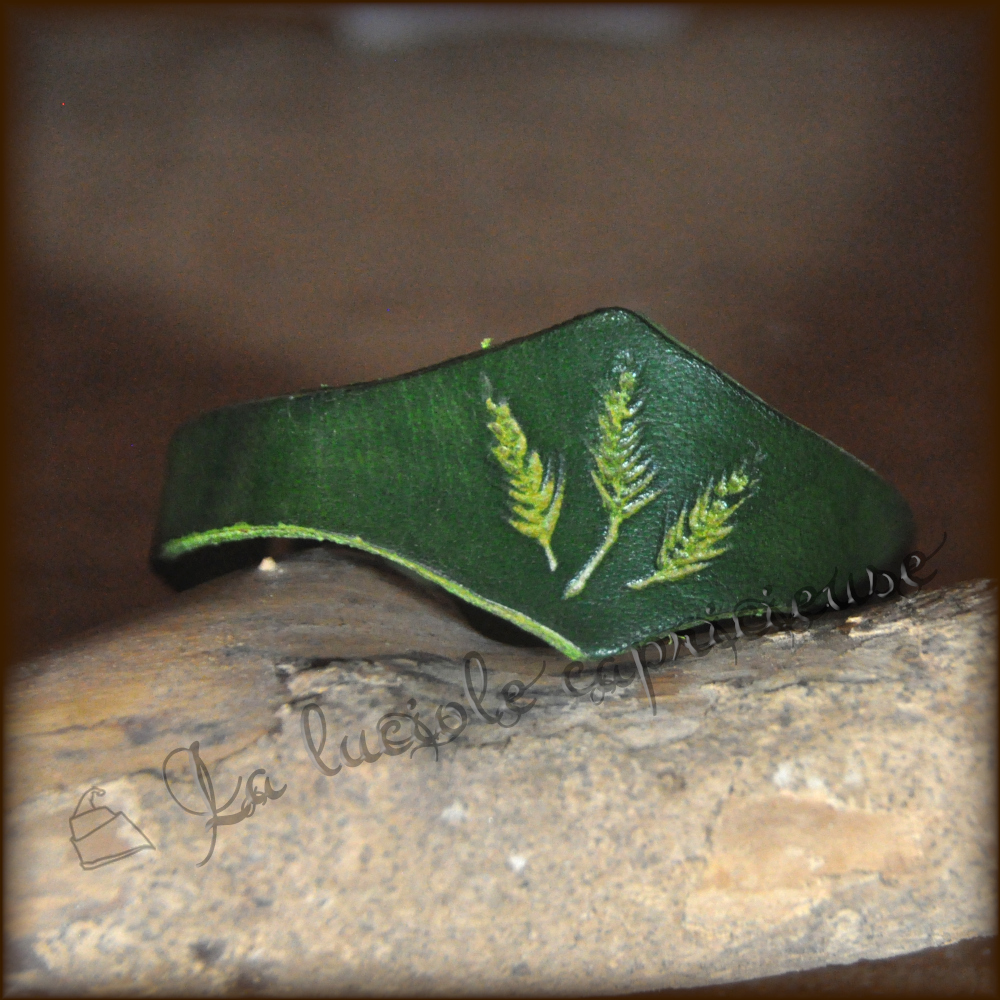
(411, 468)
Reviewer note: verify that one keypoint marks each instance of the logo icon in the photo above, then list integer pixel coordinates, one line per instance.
(101, 836)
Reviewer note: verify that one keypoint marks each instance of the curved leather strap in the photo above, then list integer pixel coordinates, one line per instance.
(597, 484)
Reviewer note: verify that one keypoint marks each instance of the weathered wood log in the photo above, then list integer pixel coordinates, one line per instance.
(796, 800)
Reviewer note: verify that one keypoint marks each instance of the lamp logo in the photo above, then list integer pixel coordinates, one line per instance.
(100, 836)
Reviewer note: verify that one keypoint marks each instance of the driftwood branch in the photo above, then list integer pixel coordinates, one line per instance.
(796, 800)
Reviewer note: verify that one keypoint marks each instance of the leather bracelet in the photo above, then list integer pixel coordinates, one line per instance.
(597, 484)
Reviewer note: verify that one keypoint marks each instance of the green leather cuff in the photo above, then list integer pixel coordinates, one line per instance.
(597, 484)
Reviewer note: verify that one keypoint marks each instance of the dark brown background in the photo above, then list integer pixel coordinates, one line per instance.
(215, 204)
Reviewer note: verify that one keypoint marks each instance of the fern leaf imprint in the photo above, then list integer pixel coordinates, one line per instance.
(622, 474)
(688, 548)
(537, 492)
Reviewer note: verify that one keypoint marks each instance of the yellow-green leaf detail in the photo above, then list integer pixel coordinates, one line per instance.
(689, 548)
(537, 493)
(622, 474)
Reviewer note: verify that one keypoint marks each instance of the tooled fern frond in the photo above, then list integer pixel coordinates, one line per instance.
(689, 548)
(622, 474)
(537, 493)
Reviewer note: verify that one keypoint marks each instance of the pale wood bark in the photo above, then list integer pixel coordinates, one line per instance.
(815, 798)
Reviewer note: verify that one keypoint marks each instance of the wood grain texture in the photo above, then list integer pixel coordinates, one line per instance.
(815, 799)
(210, 665)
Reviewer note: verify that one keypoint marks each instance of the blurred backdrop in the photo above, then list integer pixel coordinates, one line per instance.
(217, 203)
